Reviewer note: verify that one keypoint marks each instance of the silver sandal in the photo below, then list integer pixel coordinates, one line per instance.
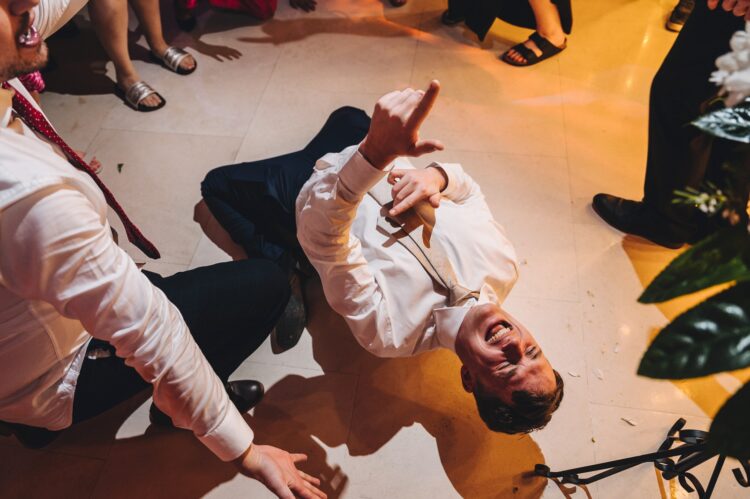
(172, 59)
(135, 94)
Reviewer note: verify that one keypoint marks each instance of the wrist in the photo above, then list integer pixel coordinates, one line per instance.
(374, 156)
(440, 175)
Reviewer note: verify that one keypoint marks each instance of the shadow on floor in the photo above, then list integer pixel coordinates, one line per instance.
(392, 394)
(297, 413)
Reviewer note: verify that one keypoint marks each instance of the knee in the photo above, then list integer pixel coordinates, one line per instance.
(215, 183)
(350, 116)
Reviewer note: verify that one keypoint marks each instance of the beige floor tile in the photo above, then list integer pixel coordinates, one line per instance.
(159, 183)
(77, 119)
(488, 106)
(219, 98)
(31, 474)
(335, 54)
(617, 329)
(295, 118)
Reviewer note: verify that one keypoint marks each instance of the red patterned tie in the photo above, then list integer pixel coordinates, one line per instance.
(36, 120)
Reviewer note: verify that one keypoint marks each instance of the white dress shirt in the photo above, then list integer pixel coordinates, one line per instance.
(390, 303)
(64, 280)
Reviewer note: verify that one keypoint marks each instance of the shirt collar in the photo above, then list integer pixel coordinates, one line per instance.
(6, 106)
(448, 320)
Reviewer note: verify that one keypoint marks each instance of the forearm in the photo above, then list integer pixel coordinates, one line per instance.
(54, 248)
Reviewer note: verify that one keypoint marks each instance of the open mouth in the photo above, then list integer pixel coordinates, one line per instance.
(30, 38)
(496, 332)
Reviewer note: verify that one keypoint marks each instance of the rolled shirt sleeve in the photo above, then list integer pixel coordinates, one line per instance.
(55, 247)
(460, 188)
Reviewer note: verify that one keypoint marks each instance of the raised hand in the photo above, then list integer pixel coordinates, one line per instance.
(412, 186)
(394, 129)
(277, 470)
(740, 8)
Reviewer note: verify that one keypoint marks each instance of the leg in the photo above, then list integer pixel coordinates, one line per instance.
(230, 309)
(548, 25)
(149, 17)
(255, 202)
(110, 20)
(680, 155)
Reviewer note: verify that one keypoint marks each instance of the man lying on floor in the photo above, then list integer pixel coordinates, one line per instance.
(412, 267)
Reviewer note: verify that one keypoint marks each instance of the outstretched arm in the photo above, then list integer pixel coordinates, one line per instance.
(328, 204)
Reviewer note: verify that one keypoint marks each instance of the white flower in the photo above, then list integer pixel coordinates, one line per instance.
(737, 87)
(727, 63)
(740, 41)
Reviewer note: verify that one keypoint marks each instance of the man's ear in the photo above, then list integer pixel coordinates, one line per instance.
(467, 379)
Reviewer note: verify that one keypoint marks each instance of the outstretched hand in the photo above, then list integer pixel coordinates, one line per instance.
(394, 129)
(277, 470)
(740, 8)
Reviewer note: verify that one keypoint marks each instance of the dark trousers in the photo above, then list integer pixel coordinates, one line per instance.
(255, 202)
(679, 155)
(230, 309)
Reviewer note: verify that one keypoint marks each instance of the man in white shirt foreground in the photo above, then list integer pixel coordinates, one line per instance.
(63, 280)
(395, 303)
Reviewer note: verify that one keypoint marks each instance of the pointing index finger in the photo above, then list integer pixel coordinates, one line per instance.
(425, 105)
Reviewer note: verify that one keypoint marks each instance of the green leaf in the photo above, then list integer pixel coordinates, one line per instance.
(711, 337)
(731, 123)
(730, 431)
(722, 257)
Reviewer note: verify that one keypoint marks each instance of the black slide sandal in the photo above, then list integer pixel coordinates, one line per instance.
(547, 48)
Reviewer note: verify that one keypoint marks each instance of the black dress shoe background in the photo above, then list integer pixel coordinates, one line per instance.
(636, 218)
(244, 394)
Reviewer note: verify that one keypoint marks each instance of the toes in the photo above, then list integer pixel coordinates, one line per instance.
(188, 63)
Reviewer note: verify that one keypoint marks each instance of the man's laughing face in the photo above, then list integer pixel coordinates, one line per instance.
(22, 49)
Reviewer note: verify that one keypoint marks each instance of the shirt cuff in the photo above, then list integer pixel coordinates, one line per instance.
(450, 170)
(231, 438)
(358, 176)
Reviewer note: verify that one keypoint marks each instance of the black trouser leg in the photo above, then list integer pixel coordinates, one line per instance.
(255, 202)
(230, 309)
(679, 155)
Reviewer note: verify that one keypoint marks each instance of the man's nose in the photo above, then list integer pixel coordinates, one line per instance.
(513, 351)
(21, 7)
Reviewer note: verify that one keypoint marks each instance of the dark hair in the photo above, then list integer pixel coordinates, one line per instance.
(529, 411)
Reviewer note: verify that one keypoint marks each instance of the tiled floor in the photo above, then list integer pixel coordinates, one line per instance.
(541, 141)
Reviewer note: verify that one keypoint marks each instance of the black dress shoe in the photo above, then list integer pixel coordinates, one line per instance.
(292, 322)
(244, 394)
(30, 437)
(633, 217)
